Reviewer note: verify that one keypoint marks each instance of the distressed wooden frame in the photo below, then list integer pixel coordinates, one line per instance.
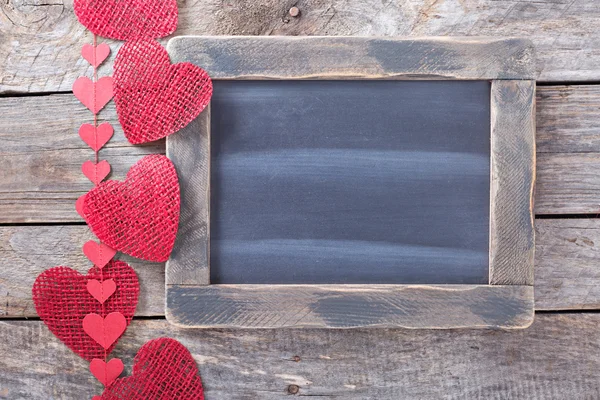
(507, 302)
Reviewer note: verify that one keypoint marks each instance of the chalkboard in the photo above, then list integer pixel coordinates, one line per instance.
(352, 181)
(342, 182)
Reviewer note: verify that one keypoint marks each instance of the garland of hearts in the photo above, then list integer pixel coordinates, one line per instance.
(138, 216)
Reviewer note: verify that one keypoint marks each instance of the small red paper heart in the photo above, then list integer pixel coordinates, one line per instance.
(128, 19)
(101, 290)
(99, 254)
(105, 331)
(79, 205)
(163, 369)
(95, 55)
(96, 172)
(154, 98)
(96, 137)
(106, 372)
(140, 215)
(62, 301)
(93, 95)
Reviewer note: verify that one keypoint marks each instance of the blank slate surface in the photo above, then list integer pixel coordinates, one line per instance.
(335, 182)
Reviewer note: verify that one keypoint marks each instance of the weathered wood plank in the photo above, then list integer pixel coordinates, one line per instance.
(556, 358)
(567, 265)
(41, 41)
(512, 182)
(568, 183)
(567, 119)
(26, 251)
(252, 57)
(41, 154)
(350, 306)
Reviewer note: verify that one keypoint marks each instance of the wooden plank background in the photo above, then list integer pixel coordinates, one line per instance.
(40, 157)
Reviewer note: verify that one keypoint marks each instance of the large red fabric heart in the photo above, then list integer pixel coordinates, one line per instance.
(163, 370)
(155, 98)
(140, 215)
(128, 19)
(62, 301)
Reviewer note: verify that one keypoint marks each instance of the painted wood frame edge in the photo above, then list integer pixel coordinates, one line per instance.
(347, 57)
(506, 303)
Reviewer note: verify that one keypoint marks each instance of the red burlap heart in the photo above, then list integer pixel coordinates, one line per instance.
(163, 370)
(62, 301)
(155, 98)
(128, 19)
(138, 216)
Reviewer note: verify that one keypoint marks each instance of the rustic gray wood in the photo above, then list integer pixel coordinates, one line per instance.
(567, 269)
(567, 265)
(26, 251)
(188, 264)
(41, 157)
(511, 175)
(556, 358)
(41, 41)
(350, 306)
(40, 182)
(567, 119)
(390, 174)
(512, 182)
(251, 57)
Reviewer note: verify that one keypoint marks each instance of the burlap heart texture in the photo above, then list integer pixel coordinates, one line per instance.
(140, 215)
(163, 369)
(62, 301)
(128, 19)
(155, 98)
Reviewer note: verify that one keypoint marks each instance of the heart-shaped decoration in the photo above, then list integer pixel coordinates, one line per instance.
(96, 172)
(96, 137)
(62, 301)
(99, 254)
(79, 205)
(128, 19)
(155, 98)
(140, 215)
(163, 369)
(106, 372)
(105, 330)
(95, 55)
(93, 95)
(101, 290)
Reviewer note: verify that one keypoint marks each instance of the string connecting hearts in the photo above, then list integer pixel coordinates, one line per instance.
(90, 313)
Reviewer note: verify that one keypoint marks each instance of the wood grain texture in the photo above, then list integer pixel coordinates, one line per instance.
(567, 265)
(350, 306)
(189, 150)
(512, 182)
(41, 154)
(567, 119)
(263, 57)
(556, 358)
(26, 251)
(567, 269)
(41, 40)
